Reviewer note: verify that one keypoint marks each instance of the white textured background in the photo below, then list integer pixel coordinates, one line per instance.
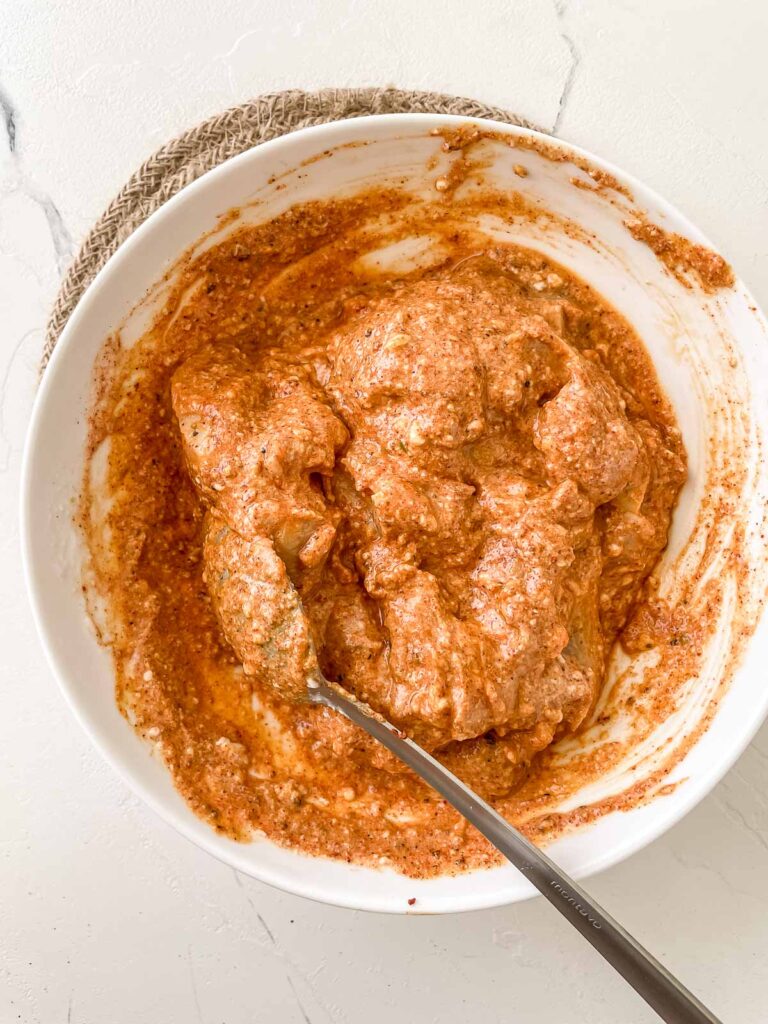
(105, 914)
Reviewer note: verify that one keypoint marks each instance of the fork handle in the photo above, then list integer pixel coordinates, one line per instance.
(660, 989)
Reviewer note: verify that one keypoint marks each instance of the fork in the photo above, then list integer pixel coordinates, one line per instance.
(660, 989)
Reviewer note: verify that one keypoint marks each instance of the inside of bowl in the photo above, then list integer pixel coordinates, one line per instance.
(710, 355)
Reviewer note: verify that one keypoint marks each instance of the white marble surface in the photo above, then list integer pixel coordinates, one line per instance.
(108, 916)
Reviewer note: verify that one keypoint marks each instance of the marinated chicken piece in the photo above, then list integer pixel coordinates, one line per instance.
(421, 516)
(493, 766)
(636, 524)
(404, 383)
(535, 577)
(523, 365)
(470, 569)
(253, 434)
(255, 437)
(585, 435)
(258, 608)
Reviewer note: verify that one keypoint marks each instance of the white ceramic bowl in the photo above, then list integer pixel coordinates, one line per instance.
(696, 342)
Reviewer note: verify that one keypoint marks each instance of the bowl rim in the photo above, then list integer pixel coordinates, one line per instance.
(331, 135)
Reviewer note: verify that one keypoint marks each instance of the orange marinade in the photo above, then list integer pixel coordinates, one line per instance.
(445, 486)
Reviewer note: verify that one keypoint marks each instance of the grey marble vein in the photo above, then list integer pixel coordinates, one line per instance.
(63, 243)
(8, 113)
(305, 1016)
(560, 10)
